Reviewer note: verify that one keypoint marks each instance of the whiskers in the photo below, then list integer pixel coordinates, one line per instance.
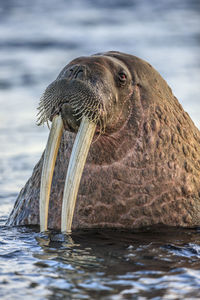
(91, 107)
(83, 100)
(50, 103)
(43, 114)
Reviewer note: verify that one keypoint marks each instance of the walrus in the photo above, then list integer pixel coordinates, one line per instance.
(143, 164)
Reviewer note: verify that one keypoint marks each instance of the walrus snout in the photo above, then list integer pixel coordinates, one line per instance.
(73, 96)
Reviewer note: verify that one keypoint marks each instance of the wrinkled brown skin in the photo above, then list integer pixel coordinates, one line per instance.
(148, 174)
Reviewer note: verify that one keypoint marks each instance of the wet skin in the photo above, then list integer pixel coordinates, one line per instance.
(143, 167)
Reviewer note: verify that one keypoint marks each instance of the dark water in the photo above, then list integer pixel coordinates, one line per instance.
(153, 264)
(37, 38)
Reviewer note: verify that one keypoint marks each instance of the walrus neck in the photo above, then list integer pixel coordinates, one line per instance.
(111, 147)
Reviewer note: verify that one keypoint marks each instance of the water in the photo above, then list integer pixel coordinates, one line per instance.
(37, 38)
(153, 264)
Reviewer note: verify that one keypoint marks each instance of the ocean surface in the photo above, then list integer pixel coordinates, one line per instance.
(37, 39)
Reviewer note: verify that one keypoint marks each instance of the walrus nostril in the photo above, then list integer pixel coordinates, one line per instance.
(80, 74)
(77, 72)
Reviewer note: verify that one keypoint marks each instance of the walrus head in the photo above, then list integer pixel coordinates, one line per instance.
(97, 87)
(94, 91)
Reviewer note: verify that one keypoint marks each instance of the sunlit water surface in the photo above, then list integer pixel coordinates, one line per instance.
(37, 38)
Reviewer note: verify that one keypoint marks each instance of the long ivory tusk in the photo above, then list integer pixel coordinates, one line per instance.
(48, 168)
(75, 169)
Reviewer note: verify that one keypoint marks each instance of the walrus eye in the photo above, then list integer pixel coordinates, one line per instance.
(122, 77)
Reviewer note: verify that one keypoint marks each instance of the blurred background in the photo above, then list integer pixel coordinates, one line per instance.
(38, 38)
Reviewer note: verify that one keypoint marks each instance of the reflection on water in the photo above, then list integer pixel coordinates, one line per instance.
(100, 265)
(37, 38)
